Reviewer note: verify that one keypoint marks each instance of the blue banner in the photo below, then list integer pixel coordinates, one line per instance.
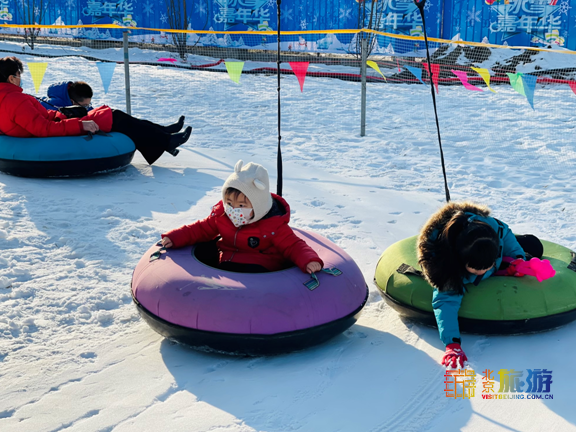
(513, 22)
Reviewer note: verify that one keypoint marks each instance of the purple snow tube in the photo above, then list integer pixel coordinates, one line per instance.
(192, 303)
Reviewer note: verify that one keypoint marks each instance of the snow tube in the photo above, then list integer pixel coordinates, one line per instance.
(207, 308)
(70, 156)
(498, 305)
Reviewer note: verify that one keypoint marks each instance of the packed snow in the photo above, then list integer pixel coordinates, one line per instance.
(75, 356)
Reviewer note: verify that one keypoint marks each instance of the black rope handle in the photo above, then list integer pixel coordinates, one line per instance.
(420, 6)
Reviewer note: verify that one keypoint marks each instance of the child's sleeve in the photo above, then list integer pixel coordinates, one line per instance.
(294, 248)
(446, 306)
(200, 231)
(511, 247)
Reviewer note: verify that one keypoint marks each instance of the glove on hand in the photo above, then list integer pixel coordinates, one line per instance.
(454, 354)
(512, 268)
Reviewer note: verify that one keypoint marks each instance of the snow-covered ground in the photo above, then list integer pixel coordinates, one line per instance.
(75, 356)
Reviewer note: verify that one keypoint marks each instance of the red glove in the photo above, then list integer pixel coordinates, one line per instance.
(454, 354)
(511, 270)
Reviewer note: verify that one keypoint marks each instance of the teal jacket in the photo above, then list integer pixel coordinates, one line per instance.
(446, 304)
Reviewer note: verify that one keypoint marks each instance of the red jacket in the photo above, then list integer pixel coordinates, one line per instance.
(269, 242)
(22, 116)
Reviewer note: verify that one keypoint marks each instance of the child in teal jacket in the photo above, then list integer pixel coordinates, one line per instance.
(462, 244)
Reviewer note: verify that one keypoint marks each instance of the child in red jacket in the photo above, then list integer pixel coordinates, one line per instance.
(253, 227)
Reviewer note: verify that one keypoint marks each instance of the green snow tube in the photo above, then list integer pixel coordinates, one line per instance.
(498, 305)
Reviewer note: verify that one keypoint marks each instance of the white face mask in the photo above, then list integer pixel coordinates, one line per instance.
(239, 216)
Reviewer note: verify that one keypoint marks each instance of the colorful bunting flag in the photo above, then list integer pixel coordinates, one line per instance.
(572, 85)
(374, 66)
(106, 70)
(464, 79)
(234, 70)
(516, 82)
(417, 72)
(485, 76)
(171, 60)
(529, 83)
(435, 74)
(299, 69)
(37, 70)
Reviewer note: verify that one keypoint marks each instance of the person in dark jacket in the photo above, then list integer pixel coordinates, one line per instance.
(251, 225)
(462, 244)
(68, 93)
(21, 115)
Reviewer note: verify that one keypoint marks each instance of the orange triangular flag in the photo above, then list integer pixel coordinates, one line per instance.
(435, 74)
(299, 69)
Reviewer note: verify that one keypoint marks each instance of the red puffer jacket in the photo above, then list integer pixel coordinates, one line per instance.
(269, 242)
(22, 116)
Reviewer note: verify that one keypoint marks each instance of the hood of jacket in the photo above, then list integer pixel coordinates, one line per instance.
(58, 94)
(433, 255)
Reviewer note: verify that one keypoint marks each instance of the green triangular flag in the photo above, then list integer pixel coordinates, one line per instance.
(516, 82)
(234, 70)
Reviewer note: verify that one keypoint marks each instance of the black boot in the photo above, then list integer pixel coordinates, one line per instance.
(177, 139)
(176, 127)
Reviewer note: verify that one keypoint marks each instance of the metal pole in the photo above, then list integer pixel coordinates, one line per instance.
(420, 4)
(279, 155)
(126, 72)
(364, 48)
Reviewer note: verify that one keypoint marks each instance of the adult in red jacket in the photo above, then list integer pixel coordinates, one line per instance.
(21, 115)
(253, 227)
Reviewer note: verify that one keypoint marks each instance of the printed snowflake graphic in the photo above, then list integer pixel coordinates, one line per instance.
(286, 14)
(428, 5)
(565, 7)
(315, 20)
(345, 14)
(271, 3)
(148, 8)
(200, 9)
(163, 18)
(303, 24)
(70, 4)
(473, 16)
(37, 11)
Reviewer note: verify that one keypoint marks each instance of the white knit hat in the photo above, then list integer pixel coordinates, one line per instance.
(252, 180)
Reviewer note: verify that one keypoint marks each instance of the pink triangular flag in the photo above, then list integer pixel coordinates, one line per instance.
(171, 60)
(572, 85)
(435, 74)
(464, 78)
(299, 69)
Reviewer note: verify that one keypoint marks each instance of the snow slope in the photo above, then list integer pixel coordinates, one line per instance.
(75, 356)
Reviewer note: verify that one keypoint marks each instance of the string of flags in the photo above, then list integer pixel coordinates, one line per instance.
(524, 84)
(38, 70)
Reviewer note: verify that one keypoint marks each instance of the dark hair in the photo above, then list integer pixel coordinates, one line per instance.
(10, 66)
(234, 192)
(474, 244)
(79, 90)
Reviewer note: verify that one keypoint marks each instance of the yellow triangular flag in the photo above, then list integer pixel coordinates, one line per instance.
(374, 66)
(485, 76)
(234, 70)
(37, 70)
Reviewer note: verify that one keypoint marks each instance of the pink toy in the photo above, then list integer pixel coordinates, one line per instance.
(540, 269)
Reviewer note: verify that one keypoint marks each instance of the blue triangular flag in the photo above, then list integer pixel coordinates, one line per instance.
(417, 72)
(529, 82)
(106, 71)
